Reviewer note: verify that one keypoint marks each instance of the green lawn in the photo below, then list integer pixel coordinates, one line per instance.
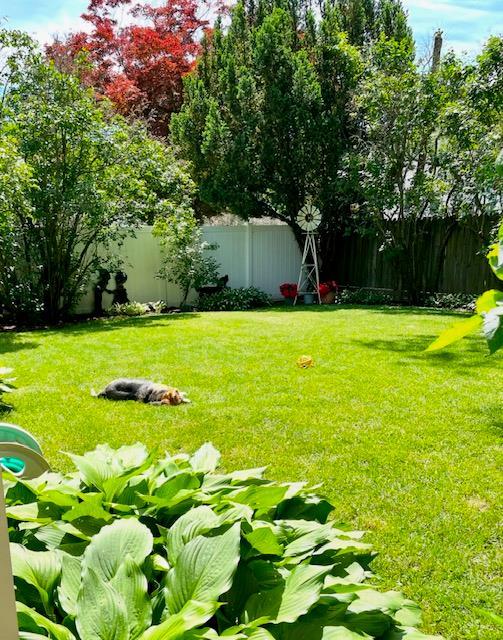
(405, 444)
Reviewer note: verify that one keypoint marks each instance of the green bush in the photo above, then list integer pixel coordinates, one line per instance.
(136, 308)
(234, 300)
(455, 301)
(365, 296)
(131, 547)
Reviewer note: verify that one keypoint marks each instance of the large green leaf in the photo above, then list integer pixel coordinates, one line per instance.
(193, 523)
(29, 619)
(342, 633)
(203, 570)
(488, 300)
(192, 614)
(206, 458)
(455, 333)
(108, 470)
(91, 506)
(41, 513)
(132, 586)
(493, 328)
(264, 539)
(291, 599)
(108, 549)
(41, 569)
(69, 586)
(259, 497)
(101, 612)
(495, 257)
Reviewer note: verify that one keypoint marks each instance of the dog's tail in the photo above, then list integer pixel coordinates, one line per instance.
(97, 395)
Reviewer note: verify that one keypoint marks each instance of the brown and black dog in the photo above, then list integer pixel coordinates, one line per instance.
(142, 391)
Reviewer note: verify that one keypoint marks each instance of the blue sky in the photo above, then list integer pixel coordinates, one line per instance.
(466, 23)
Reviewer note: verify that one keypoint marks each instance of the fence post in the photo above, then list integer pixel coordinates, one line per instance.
(249, 255)
(8, 615)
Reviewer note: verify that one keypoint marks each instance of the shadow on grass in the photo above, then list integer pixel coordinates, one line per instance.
(10, 343)
(468, 353)
(5, 409)
(391, 310)
(112, 324)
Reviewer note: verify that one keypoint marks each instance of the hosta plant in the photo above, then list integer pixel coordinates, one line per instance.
(6, 385)
(134, 547)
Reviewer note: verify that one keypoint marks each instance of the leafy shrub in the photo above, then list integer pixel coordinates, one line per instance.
(234, 300)
(136, 308)
(131, 547)
(6, 385)
(187, 260)
(365, 296)
(456, 301)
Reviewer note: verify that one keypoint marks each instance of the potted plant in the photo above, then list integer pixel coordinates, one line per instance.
(289, 291)
(328, 291)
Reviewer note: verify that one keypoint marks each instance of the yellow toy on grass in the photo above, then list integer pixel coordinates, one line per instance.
(305, 361)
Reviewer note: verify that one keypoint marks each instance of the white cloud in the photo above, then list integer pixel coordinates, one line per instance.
(452, 11)
(60, 20)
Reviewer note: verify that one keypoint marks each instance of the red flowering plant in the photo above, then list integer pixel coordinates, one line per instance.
(327, 287)
(288, 290)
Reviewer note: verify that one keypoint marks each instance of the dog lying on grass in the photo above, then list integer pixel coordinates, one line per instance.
(142, 391)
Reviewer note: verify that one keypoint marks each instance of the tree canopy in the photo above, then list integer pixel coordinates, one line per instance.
(266, 119)
(81, 178)
(135, 54)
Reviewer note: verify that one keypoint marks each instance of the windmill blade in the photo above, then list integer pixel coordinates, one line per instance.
(309, 217)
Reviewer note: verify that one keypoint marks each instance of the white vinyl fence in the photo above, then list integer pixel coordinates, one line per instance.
(262, 256)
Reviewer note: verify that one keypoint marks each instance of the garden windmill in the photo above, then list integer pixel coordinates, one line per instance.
(308, 219)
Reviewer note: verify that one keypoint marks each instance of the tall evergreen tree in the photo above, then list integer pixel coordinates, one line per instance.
(265, 120)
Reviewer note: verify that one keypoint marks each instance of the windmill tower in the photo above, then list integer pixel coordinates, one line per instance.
(308, 219)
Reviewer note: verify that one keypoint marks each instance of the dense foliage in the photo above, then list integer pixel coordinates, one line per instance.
(265, 120)
(428, 142)
(489, 306)
(133, 308)
(76, 179)
(187, 258)
(284, 105)
(135, 54)
(365, 296)
(240, 299)
(133, 548)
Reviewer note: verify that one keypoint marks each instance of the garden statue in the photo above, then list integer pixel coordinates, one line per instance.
(120, 293)
(221, 284)
(99, 289)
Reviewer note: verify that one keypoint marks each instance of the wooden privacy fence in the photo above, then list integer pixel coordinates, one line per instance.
(265, 256)
(359, 261)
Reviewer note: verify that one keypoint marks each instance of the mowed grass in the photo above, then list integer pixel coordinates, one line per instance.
(405, 444)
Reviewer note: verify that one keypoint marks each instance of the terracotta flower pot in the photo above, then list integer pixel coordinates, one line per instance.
(329, 298)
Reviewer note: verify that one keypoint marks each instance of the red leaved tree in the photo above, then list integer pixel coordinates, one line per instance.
(135, 54)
